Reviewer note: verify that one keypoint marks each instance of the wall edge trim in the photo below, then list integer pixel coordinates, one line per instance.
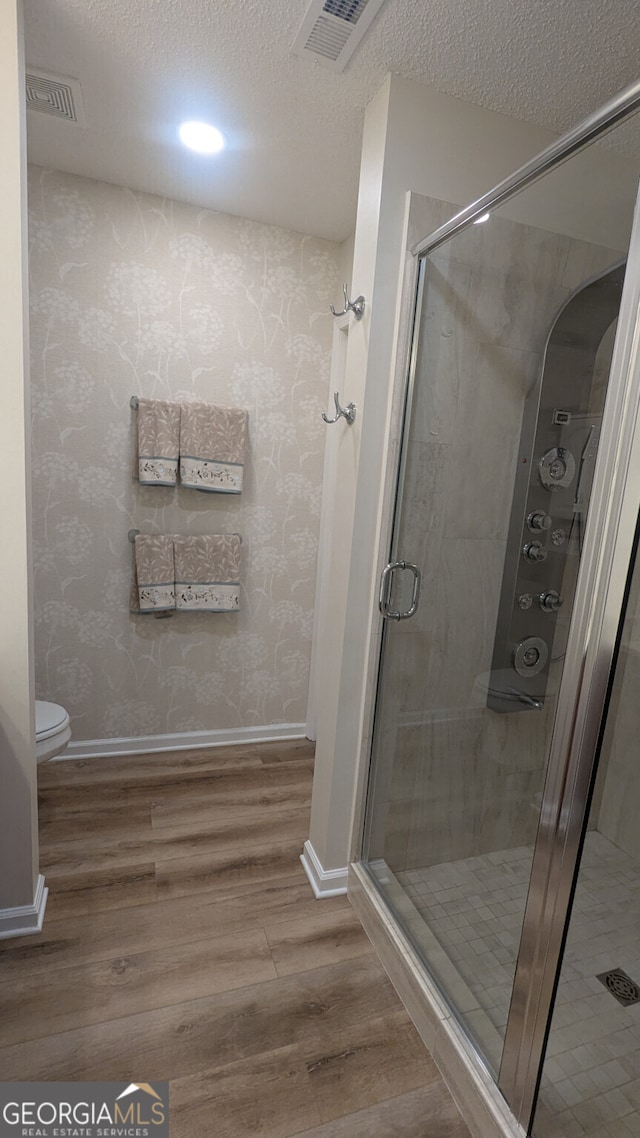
(24, 920)
(180, 741)
(324, 882)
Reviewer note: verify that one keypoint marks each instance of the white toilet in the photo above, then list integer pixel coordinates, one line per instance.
(53, 730)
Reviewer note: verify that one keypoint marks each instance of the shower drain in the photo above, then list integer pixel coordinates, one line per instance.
(625, 990)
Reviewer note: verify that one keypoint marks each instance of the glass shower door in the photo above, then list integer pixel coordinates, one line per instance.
(512, 345)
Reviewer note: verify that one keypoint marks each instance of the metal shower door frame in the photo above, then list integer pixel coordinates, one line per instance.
(599, 601)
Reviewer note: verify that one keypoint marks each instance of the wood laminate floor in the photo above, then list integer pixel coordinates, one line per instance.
(182, 942)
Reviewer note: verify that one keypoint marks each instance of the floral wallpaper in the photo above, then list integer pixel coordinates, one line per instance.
(136, 295)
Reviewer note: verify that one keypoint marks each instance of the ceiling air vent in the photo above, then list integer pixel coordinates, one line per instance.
(55, 95)
(332, 30)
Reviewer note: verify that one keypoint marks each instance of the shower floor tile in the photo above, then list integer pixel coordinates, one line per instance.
(474, 908)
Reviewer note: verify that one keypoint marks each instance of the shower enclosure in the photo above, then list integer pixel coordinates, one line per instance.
(518, 491)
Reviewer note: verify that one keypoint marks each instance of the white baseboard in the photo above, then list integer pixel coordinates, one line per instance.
(180, 741)
(324, 882)
(25, 919)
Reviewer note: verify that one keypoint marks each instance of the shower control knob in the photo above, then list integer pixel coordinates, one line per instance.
(530, 656)
(551, 601)
(538, 520)
(534, 551)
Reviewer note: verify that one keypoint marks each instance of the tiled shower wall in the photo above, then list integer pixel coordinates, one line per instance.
(465, 780)
(136, 295)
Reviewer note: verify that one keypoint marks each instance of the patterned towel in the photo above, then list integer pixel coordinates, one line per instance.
(207, 572)
(153, 574)
(158, 442)
(212, 446)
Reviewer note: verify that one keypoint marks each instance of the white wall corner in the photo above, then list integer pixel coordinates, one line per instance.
(24, 920)
(18, 801)
(324, 882)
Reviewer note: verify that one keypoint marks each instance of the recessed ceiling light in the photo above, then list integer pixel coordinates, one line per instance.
(201, 136)
(484, 217)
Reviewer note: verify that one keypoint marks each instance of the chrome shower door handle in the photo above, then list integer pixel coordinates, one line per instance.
(386, 581)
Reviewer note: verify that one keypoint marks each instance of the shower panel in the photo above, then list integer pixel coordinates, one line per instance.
(556, 458)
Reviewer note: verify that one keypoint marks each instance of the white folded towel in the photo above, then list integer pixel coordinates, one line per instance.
(212, 447)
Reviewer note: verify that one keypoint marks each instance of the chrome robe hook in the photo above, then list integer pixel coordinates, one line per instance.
(356, 306)
(348, 413)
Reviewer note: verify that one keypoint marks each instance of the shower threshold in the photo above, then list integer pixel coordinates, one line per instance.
(465, 918)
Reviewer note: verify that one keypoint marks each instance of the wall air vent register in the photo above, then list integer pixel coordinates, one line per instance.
(55, 95)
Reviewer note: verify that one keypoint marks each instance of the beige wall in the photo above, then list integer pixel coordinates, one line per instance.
(18, 825)
(136, 295)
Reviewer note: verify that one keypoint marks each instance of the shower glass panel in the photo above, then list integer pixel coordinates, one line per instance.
(512, 345)
(591, 1076)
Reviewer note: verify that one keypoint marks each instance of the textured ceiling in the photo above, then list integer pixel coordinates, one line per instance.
(294, 127)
